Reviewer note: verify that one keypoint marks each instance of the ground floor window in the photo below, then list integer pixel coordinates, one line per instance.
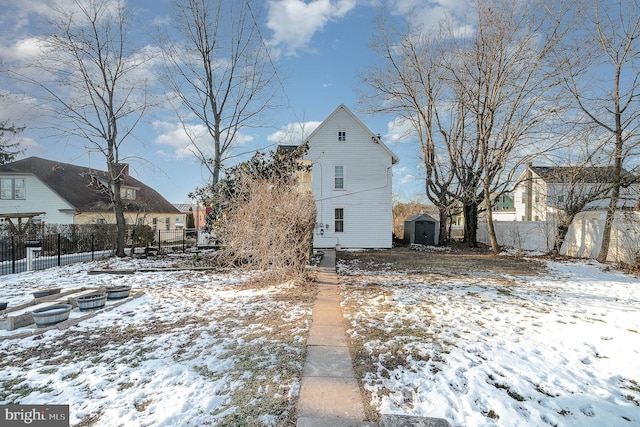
(339, 220)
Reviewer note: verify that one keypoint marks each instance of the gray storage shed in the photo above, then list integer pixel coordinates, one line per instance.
(421, 229)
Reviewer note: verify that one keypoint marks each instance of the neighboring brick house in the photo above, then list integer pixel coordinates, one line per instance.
(62, 193)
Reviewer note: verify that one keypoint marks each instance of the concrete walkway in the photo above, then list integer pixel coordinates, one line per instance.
(329, 395)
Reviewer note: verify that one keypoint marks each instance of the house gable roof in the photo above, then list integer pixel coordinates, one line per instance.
(375, 138)
(575, 174)
(81, 186)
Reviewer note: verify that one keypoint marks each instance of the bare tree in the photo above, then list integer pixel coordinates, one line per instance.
(220, 71)
(472, 98)
(410, 84)
(91, 75)
(600, 69)
(502, 76)
(8, 150)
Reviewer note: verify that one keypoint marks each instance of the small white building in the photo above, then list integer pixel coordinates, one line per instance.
(351, 180)
(541, 193)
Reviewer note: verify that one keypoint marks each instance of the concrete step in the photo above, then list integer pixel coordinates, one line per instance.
(411, 421)
(333, 422)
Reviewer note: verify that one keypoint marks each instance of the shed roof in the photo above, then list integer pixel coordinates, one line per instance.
(421, 217)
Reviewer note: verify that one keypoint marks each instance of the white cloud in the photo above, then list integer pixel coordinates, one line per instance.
(23, 49)
(294, 22)
(408, 178)
(431, 14)
(400, 130)
(293, 133)
(191, 140)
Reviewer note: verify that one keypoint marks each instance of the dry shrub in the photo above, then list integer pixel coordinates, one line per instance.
(270, 227)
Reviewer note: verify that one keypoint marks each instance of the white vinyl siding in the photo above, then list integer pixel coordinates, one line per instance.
(366, 174)
(40, 198)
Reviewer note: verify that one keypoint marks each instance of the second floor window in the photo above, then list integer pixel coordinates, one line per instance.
(128, 193)
(12, 189)
(342, 135)
(339, 178)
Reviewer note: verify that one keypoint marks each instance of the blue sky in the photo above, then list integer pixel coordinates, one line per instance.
(319, 46)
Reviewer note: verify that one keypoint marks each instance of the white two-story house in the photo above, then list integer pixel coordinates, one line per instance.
(351, 180)
(541, 192)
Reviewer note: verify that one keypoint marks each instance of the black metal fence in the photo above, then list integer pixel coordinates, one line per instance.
(19, 253)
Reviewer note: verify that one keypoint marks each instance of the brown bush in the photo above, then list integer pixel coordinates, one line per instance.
(269, 227)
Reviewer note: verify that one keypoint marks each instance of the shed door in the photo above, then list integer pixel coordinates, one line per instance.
(425, 233)
(421, 233)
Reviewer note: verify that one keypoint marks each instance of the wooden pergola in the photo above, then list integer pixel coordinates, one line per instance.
(22, 225)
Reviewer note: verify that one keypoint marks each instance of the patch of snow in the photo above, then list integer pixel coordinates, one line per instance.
(555, 350)
(175, 356)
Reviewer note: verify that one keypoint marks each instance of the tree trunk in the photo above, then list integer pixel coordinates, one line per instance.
(617, 177)
(121, 224)
(471, 223)
(491, 229)
(608, 224)
(443, 236)
(563, 229)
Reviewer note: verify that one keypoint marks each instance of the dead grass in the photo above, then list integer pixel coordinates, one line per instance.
(460, 261)
(394, 345)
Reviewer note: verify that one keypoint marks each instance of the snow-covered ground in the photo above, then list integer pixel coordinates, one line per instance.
(198, 348)
(559, 350)
(220, 348)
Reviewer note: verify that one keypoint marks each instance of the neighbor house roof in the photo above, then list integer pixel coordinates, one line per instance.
(575, 174)
(81, 186)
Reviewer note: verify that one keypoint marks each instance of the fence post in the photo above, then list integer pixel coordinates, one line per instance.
(59, 247)
(158, 241)
(92, 245)
(13, 254)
